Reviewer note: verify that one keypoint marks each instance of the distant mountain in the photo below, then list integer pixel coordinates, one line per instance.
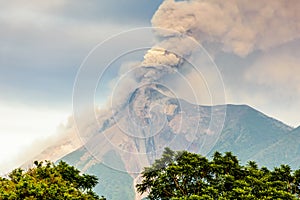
(248, 132)
(285, 150)
(135, 135)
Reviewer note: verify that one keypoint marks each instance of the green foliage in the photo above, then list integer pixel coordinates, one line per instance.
(48, 181)
(188, 176)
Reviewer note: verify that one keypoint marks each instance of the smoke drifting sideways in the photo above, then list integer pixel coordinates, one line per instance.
(235, 26)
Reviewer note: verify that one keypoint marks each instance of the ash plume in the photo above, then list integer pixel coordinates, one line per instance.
(235, 26)
(238, 27)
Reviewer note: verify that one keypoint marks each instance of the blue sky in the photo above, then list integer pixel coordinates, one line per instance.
(42, 44)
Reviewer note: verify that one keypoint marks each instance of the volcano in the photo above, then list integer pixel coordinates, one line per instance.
(121, 145)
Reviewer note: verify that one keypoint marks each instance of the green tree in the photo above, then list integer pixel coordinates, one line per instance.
(183, 175)
(45, 180)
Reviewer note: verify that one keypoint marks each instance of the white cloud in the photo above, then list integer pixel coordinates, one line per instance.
(21, 126)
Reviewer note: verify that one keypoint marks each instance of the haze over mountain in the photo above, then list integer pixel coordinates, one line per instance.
(116, 156)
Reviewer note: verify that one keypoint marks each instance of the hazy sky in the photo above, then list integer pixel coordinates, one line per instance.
(42, 44)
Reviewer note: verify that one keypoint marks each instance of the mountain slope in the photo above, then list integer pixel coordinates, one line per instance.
(284, 151)
(114, 184)
(247, 132)
(151, 120)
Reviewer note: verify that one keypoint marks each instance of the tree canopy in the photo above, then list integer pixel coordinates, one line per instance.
(45, 180)
(183, 175)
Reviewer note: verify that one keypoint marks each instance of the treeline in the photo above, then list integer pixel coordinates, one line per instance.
(47, 181)
(188, 176)
(177, 175)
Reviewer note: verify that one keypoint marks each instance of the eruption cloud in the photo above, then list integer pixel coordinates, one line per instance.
(145, 104)
(240, 27)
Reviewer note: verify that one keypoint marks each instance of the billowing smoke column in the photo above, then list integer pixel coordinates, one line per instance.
(163, 59)
(145, 120)
(238, 27)
(140, 107)
(235, 26)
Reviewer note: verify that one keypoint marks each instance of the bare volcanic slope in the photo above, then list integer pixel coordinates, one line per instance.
(138, 132)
